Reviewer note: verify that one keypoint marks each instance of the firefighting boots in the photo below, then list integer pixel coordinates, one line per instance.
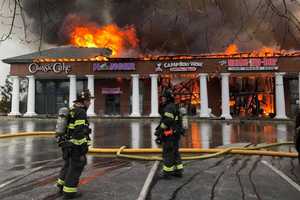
(60, 188)
(164, 175)
(178, 173)
(72, 195)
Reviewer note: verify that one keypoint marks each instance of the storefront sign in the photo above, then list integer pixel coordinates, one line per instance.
(49, 67)
(182, 66)
(113, 66)
(111, 91)
(251, 64)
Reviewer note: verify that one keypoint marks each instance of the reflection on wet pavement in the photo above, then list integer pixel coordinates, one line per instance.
(136, 134)
(140, 134)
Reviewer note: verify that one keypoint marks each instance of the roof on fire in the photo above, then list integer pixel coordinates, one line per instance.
(60, 52)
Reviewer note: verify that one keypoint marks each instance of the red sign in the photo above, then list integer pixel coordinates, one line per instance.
(252, 64)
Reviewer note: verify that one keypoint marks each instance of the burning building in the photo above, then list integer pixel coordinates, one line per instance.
(255, 84)
(106, 60)
(128, 82)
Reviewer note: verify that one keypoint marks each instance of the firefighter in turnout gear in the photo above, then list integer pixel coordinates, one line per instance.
(168, 134)
(72, 132)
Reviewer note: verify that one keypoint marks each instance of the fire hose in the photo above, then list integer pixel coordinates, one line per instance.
(124, 152)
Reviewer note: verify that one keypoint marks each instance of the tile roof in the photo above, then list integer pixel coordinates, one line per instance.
(59, 52)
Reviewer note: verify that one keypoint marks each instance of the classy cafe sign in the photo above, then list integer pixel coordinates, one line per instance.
(49, 67)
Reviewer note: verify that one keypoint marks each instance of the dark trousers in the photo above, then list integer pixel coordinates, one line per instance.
(74, 162)
(171, 155)
(297, 144)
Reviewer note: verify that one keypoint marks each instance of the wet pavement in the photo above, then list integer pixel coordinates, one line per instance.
(231, 177)
(30, 165)
(139, 133)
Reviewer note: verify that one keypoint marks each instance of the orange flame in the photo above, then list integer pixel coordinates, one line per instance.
(231, 49)
(195, 96)
(109, 36)
(265, 51)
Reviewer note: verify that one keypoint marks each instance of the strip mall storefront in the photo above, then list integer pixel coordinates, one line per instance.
(207, 85)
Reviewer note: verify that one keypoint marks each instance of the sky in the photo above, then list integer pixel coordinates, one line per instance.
(15, 44)
(11, 48)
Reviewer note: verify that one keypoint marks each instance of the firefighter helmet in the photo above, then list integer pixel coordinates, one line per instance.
(84, 95)
(168, 94)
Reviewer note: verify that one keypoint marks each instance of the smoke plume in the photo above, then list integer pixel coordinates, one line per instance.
(175, 26)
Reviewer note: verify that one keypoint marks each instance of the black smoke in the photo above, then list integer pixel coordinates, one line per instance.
(175, 26)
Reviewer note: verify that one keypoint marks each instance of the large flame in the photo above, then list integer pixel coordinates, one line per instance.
(109, 36)
(231, 49)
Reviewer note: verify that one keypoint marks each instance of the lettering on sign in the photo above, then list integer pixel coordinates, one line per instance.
(49, 67)
(251, 64)
(111, 90)
(182, 66)
(113, 66)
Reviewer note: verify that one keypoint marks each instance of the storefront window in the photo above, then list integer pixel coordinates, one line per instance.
(112, 104)
(252, 96)
(51, 95)
(186, 91)
(293, 93)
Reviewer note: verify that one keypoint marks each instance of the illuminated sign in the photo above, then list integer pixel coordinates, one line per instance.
(111, 91)
(113, 66)
(251, 64)
(49, 67)
(182, 66)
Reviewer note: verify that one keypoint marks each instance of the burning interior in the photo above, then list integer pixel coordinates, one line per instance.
(252, 96)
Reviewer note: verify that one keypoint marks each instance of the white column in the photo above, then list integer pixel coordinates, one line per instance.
(203, 96)
(225, 96)
(135, 98)
(91, 87)
(154, 96)
(31, 97)
(279, 96)
(15, 100)
(72, 89)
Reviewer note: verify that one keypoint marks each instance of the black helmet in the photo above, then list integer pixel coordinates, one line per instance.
(84, 95)
(168, 94)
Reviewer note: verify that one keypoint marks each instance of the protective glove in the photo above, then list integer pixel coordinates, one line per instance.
(182, 131)
(158, 141)
(60, 140)
(85, 149)
(158, 132)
